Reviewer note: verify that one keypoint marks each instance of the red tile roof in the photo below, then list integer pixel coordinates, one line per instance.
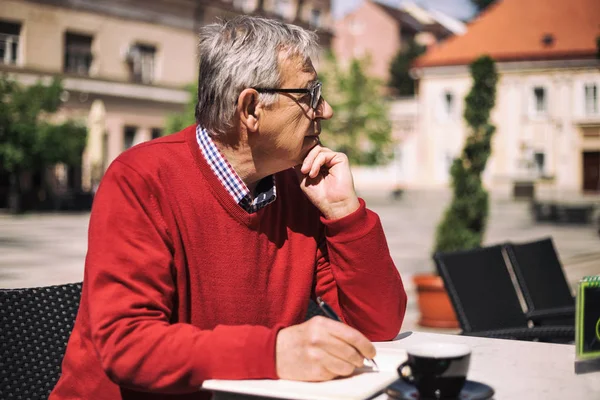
(514, 30)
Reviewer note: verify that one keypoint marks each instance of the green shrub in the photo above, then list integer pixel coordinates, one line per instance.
(464, 222)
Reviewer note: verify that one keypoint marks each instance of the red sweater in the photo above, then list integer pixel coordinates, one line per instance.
(182, 285)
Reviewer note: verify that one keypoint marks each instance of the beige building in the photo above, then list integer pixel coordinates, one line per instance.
(547, 113)
(124, 64)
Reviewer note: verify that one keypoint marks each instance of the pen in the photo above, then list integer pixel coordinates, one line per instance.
(332, 315)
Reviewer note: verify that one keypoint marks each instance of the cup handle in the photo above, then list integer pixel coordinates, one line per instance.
(405, 372)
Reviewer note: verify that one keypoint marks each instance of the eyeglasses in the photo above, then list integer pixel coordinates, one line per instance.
(315, 93)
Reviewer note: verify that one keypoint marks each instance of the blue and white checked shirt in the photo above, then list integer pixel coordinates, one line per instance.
(266, 192)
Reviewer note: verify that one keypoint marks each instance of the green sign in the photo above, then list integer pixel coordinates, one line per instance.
(587, 325)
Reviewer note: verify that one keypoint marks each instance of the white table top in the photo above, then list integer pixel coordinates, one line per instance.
(517, 369)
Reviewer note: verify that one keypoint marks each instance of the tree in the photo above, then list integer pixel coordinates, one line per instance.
(464, 222)
(28, 140)
(482, 4)
(178, 121)
(400, 79)
(360, 126)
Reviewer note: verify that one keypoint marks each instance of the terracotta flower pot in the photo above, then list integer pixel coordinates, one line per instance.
(434, 304)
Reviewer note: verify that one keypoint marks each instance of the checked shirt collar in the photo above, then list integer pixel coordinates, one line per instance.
(265, 190)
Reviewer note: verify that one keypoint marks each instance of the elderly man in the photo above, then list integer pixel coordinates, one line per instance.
(205, 246)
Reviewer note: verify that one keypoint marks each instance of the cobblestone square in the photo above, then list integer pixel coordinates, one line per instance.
(47, 249)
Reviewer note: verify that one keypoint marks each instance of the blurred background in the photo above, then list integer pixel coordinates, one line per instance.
(82, 81)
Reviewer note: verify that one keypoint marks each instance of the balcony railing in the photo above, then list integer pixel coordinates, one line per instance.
(9, 46)
(78, 62)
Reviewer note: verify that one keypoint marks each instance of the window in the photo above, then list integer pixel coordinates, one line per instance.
(156, 133)
(315, 18)
(591, 99)
(356, 27)
(141, 60)
(9, 42)
(445, 109)
(129, 136)
(449, 104)
(540, 101)
(78, 54)
(282, 8)
(539, 161)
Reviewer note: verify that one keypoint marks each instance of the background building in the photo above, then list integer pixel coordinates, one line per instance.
(380, 31)
(124, 65)
(547, 113)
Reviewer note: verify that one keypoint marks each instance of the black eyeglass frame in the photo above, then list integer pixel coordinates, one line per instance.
(315, 92)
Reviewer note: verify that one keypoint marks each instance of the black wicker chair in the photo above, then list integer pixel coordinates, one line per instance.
(485, 300)
(542, 281)
(36, 325)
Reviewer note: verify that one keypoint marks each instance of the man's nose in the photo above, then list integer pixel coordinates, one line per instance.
(324, 111)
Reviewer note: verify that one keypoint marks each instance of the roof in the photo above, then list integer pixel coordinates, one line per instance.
(431, 16)
(452, 24)
(514, 30)
(401, 16)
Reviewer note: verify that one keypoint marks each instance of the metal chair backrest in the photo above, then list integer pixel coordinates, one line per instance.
(540, 275)
(35, 326)
(480, 288)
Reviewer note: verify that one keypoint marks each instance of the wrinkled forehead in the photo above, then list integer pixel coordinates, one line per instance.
(296, 70)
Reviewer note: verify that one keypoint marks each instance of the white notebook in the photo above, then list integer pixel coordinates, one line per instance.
(363, 384)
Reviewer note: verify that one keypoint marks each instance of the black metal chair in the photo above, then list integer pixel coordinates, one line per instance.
(542, 281)
(36, 325)
(485, 300)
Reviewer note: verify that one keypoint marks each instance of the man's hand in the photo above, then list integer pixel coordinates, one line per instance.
(326, 180)
(320, 349)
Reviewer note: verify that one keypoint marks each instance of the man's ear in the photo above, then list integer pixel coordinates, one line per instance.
(249, 110)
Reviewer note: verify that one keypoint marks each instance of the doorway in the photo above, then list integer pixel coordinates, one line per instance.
(591, 171)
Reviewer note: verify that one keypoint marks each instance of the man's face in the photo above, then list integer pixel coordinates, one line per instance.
(290, 127)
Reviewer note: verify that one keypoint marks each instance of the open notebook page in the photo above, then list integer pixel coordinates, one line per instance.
(361, 385)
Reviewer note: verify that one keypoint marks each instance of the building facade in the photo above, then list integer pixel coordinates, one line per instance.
(124, 65)
(547, 112)
(379, 31)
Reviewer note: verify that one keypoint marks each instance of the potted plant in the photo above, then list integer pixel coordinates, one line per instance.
(464, 221)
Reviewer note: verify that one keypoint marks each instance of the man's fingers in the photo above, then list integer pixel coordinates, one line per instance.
(337, 366)
(320, 349)
(321, 159)
(308, 160)
(310, 157)
(350, 342)
(357, 340)
(346, 352)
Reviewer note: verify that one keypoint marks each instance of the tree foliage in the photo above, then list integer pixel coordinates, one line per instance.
(360, 126)
(482, 4)
(28, 141)
(400, 79)
(464, 222)
(178, 121)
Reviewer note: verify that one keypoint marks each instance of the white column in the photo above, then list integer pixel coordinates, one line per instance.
(143, 134)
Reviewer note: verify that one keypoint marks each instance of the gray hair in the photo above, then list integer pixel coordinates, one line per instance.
(241, 53)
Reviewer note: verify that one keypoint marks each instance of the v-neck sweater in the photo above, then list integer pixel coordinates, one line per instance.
(182, 285)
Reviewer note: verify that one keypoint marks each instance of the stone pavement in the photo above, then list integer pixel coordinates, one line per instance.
(410, 224)
(46, 249)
